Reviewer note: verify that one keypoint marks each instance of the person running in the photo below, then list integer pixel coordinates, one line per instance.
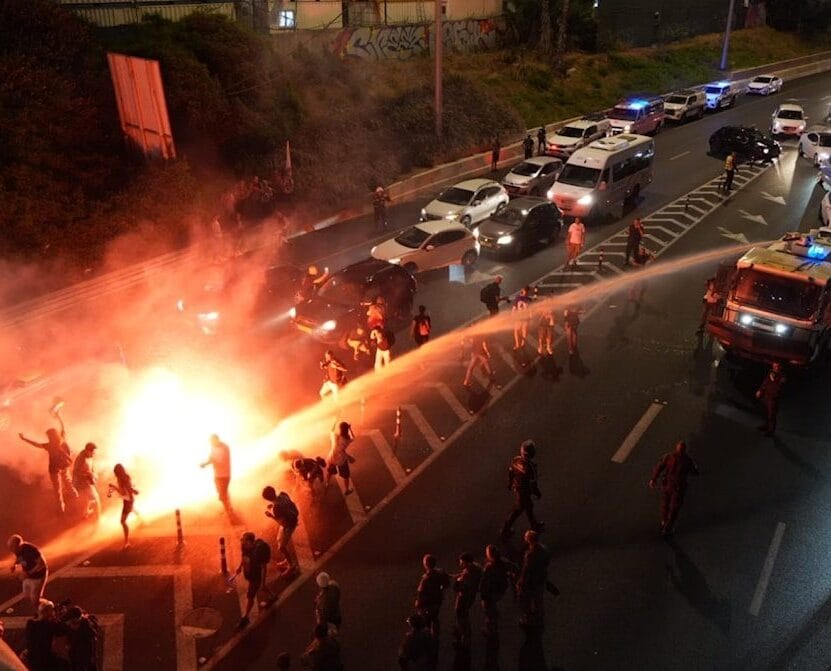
(673, 469)
(634, 235)
(575, 239)
(480, 355)
(498, 575)
(253, 566)
(466, 587)
(523, 481)
(339, 457)
(32, 564)
(491, 296)
(123, 486)
(380, 198)
(421, 326)
(220, 459)
(60, 459)
(83, 479)
(382, 340)
(284, 511)
(709, 302)
(309, 471)
(430, 594)
(327, 601)
(768, 393)
(571, 321)
(334, 375)
(521, 311)
(546, 321)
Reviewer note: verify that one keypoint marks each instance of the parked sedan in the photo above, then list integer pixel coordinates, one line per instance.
(815, 144)
(749, 143)
(533, 177)
(526, 223)
(467, 202)
(788, 119)
(764, 85)
(429, 245)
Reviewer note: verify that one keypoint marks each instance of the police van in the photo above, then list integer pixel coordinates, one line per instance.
(642, 115)
(608, 172)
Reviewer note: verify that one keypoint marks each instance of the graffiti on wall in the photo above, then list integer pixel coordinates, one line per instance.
(403, 42)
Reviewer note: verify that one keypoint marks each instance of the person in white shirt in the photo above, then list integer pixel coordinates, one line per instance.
(575, 241)
(220, 459)
(83, 479)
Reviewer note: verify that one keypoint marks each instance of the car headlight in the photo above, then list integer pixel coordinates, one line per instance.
(781, 329)
(423, 212)
(476, 233)
(627, 128)
(293, 313)
(550, 194)
(209, 316)
(765, 150)
(329, 325)
(504, 239)
(372, 251)
(588, 199)
(745, 319)
(451, 215)
(396, 260)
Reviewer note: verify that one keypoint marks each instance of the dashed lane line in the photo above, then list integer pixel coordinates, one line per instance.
(767, 570)
(637, 432)
(677, 156)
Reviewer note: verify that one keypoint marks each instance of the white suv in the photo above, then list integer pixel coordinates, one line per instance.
(683, 105)
(788, 119)
(467, 202)
(576, 134)
(720, 95)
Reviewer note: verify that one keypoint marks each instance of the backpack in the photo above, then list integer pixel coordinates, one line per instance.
(390, 336)
(262, 552)
(423, 328)
(485, 294)
(287, 512)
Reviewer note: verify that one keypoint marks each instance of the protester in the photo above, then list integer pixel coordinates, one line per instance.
(220, 459)
(466, 586)
(32, 564)
(768, 393)
(635, 234)
(491, 296)
(729, 171)
(673, 469)
(311, 282)
(376, 313)
(255, 554)
(419, 650)
(358, 342)
(309, 471)
(123, 486)
(571, 321)
(520, 309)
(83, 479)
(284, 511)
(327, 601)
(421, 326)
(60, 459)
(323, 653)
(380, 198)
(334, 375)
(523, 482)
(528, 146)
(546, 321)
(382, 339)
(576, 238)
(430, 594)
(480, 355)
(339, 458)
(83, 632)
(41, 634)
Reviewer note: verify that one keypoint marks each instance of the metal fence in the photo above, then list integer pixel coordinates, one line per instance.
(115, 13)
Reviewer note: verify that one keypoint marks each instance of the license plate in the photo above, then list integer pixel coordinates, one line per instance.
(304, 328)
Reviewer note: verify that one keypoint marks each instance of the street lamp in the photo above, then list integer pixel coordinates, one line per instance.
(726, 46)
(437, 40)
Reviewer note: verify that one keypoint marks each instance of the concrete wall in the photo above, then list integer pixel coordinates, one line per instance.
(472, 9)
(308, 15)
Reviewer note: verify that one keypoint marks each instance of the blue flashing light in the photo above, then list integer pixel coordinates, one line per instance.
(722, 83)
(637, 104)
(818, 252)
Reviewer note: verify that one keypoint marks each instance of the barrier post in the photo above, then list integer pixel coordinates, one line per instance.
(223, 562)
(180, 537)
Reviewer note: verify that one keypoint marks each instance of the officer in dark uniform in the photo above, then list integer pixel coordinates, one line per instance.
(528, 146)
(380, 198)
(491, 295)
(430, 593)
(498, 575)
(541, 141)
(674, 468)
(522, 481)
(532, 583)
(466, 586)
(768, 394)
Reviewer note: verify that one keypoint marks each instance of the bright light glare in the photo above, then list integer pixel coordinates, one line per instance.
(781, 329)
(505, 240)
(746, 319)
(329, 325)
(586, 200)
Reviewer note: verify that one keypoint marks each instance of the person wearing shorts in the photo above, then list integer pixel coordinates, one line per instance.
(123, 485)
(33, 565)
(339, 459)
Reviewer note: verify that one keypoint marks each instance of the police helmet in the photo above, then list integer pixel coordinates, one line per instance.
(528, 449)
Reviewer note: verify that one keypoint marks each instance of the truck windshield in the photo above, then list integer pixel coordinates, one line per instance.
(779, 295)
(677, 100)
(579, 175)
(570, 131)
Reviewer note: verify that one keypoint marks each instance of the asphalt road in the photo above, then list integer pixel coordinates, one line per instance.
(628, 599)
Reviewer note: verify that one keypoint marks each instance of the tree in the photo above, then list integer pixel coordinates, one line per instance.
(561, 34)
(545, 27)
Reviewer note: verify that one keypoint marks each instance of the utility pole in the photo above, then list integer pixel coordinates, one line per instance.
(437, 41)
(726, 46)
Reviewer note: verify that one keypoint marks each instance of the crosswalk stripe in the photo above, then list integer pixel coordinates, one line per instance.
(423, 426)
(384, 449)
(303, 547)
(450, 398)
(353, 502)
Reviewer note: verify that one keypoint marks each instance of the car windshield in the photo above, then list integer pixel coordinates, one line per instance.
(677, 100)
(570, 131)
(413, 237)
(713, 90)
(526, 169)
(762, 80)
(339, 289)
(455, 196)
(624, 114)
(780, 295)
(510, 216)
(825, 140)
(790, 114)
(579, 175)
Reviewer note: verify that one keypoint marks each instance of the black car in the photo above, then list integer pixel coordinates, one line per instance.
(525, 224)
(749, 143)
(341, 301)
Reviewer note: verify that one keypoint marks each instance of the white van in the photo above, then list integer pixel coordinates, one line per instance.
(607, 172)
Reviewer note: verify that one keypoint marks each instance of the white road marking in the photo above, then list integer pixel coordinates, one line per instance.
(779, 200)
(683, 153)
(450, 398)
(353, 502)
(113, 626)
(755, 218)
(637, 432)
(767, 570)
(302, 547)
(393, 465)
(738, 237)
(423, 426)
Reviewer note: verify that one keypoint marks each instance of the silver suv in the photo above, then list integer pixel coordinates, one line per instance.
(576, 134)
(686, 104)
